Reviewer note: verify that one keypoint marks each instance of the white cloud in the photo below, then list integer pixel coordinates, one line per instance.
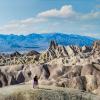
(92, 15)
(22, 26)
(32, 20)
(70, 22)
(65, 12)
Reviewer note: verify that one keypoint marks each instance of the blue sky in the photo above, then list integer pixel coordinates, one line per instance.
(44, 16)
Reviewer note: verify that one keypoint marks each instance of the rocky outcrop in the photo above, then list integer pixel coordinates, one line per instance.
(3, 79)
(96, 45)
(32, 53)
(20, 77)
(73, 50)
(53, 45)
(86, 49)
(71, 66)
(16, 58)
(96, 48)
(15, 54)
(54, 51)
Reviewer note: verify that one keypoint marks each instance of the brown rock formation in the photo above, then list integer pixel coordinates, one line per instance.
(70, 66)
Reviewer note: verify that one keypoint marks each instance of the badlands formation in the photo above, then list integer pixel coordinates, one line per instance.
(59, 66)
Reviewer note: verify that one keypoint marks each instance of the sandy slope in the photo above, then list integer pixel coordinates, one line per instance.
(26, 92)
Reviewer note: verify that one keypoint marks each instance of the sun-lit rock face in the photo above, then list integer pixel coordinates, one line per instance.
(54, 51)
(96, 48)
(71, 66)
(17, 58)
(73, 50)
(96, 45)
(53, 45)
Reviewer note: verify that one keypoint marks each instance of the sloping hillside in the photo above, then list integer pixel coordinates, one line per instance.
(26, 92)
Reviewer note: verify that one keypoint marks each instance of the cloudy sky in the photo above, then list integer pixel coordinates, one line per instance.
(48, 16)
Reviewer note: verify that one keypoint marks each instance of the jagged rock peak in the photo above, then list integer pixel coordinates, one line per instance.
(15, 54)
(32, 52)
(86, 49)
(53, 45)
(96, 45)
(54, 51)
(73, 50)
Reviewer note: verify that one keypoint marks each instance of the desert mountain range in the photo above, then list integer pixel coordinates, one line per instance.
(62, 66)
(40, 42)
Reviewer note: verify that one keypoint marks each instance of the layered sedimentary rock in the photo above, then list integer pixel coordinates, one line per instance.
(54, 51)
(71, 66)
(96, 48)
(96, 45)
(17, 58)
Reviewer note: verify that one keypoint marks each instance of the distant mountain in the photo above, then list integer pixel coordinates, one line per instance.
(9, 43)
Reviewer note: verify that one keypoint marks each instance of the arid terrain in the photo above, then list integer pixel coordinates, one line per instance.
(59, 66)
(26, 92)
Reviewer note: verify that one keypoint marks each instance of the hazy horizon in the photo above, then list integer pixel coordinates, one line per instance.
(21, 34)
(49, 16)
